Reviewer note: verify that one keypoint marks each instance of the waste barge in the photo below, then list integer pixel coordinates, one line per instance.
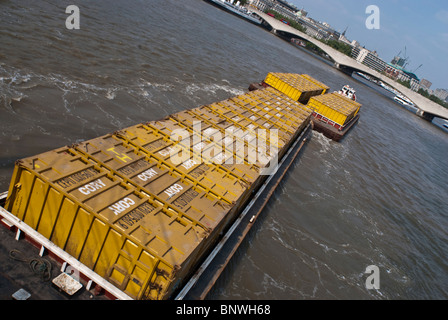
(137, 211)
(334, 114)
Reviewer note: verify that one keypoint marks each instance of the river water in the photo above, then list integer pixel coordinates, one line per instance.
(377, 198)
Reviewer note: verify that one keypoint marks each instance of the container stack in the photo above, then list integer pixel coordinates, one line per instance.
(142, 206)
(334, 108)
(298, 87)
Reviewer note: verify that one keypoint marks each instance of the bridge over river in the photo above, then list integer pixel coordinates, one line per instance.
(427, 109)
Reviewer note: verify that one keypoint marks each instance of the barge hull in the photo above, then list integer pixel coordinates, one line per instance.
(330, 131)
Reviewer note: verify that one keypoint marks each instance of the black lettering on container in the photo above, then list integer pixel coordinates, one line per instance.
(133, 167)
(155, 145)
(199, 171)
(134, 216)
(76, 178)
(185, 198)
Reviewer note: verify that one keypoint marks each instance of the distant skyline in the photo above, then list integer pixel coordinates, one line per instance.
(420, 26)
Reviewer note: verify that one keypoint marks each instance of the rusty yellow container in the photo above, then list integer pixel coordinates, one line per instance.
(209, 147)
(243, 131)
(228, 184)
(250, 135)
(335, 107)
(173, 190)
(134, 242)
(284, 113)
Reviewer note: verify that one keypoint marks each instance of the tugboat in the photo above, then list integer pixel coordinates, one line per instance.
(403, 100)
(348, 92)
(336, 113)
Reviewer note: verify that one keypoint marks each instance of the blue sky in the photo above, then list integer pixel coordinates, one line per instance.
(420, 26)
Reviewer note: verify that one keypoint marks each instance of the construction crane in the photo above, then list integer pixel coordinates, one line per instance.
(406, 58)
(417, 68)
(401, 61)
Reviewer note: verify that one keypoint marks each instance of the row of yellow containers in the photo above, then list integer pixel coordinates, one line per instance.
(335, 107)
(298, 87)
(271, 104)
(248, 120)
(141, 208)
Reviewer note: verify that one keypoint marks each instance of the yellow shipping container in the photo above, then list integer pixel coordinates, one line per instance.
(274, 117)
(245, 129)
(135, 243)
(176, 191)
(158, 146)
(295, 86)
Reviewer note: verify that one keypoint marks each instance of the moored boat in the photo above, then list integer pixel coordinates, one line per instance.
(237, 10)
(348, 92)
(401, 99)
